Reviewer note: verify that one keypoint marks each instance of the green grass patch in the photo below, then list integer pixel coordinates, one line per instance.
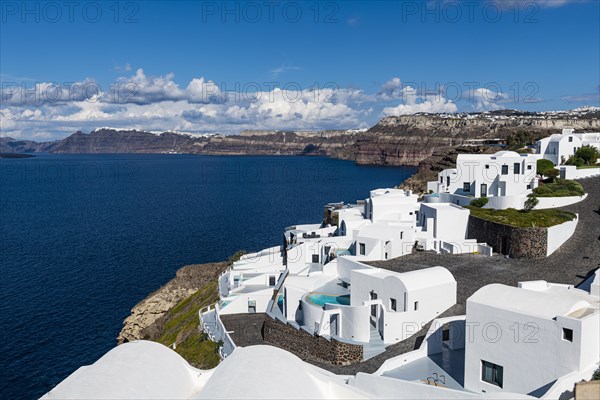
(559, 188)
(523, 219)
(182, 324)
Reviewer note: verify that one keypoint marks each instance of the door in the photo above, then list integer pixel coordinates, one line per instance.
(333, 325)
(505, 248)
(374, 315)
(483, 190)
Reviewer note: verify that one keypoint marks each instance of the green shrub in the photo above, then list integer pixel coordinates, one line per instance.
(559, 188)
(524, 219)
(530, 203)
(543, 166)
(596, 376)
(480, 202)
(236, 256)
(588, 154)
(573, 160)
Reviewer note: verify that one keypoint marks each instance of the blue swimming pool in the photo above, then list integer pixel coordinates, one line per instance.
(321, 299)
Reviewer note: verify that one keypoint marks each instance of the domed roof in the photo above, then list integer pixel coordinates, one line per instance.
(506, 153)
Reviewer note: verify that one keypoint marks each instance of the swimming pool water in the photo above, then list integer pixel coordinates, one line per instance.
(321, 299)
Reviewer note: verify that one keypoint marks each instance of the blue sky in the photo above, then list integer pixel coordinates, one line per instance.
(226, 66)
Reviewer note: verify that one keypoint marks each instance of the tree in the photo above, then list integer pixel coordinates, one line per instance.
(543, 166)
(588, 154)
(530, 203)
(552, 174)
(574, 160)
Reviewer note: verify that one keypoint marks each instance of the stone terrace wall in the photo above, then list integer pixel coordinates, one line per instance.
(531, 243)
(309, 347)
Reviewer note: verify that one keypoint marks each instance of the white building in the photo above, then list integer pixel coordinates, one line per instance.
(560, 146)
(525, 339)
(444, 230)
(538, 340)
(361, 303)
(505, 178)
(392, 205)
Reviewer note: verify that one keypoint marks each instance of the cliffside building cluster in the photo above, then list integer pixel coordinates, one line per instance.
(535, 340)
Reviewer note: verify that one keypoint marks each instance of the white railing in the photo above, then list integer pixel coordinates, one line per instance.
(211, 324)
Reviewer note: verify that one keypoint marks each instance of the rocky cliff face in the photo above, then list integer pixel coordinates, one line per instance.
(113, 141)
(404, 140)
(142, 323)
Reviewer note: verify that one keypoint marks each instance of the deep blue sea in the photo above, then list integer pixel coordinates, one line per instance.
(83, 238)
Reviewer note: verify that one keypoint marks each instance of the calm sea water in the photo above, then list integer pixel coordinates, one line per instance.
(83, 238)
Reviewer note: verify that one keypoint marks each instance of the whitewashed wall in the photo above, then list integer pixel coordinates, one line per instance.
(571, 172)
(554, 202)
(354, 322)
(529, 348)
(559, 234)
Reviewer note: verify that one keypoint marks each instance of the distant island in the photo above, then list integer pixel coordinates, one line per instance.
(15, 155)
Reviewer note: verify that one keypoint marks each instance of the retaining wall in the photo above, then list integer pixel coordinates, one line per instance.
(529, 243)
(310, 347)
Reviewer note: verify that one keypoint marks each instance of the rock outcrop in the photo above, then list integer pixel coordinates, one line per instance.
(188, 280)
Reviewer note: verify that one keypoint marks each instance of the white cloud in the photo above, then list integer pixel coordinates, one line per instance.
(283, 68)
(484, 99)
(159, 103)
(527, 4)
(417, 103)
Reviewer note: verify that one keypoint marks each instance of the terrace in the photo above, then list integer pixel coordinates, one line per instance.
(445, 369)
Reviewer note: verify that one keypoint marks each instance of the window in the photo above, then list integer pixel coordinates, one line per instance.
(416, 305)
(529, 166)
(484, 190)
(393, 304)
(272, 280)
(517, 168)
(441, 179)
(401, 235)
(447, 181)
(487, 166)
(505, 170)
(570, 138)
(492, 373)
(362, 250)
(466, 187)
(568, 334)
(373, 295)
(386, 256)
(529, 186)
(315, 258)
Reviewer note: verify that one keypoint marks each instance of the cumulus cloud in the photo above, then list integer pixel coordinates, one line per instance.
(148, 102)
(160, 103)
(415, 102)
(484, 99)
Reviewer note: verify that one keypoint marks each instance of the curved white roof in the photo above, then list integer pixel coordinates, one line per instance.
(266, 372)
(134, 370)
(506, 153)
(549, 303)
(422, 278)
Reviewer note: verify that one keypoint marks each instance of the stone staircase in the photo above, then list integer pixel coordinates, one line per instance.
(375, 345)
